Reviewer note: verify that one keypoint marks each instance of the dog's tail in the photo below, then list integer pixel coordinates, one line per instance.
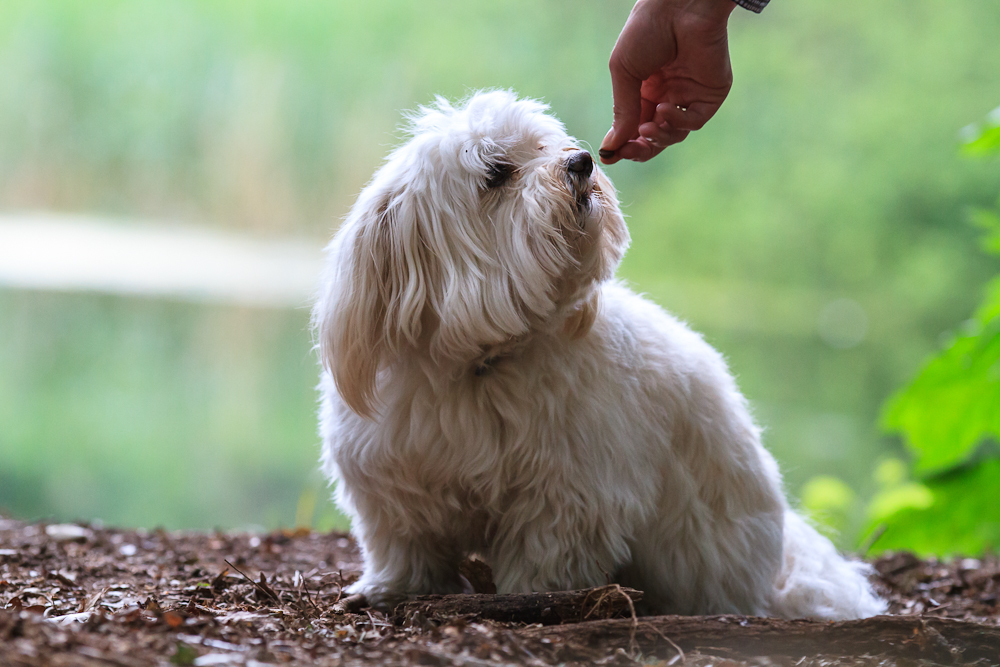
(817, 582)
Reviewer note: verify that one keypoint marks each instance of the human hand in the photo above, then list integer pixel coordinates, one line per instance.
(670, 73)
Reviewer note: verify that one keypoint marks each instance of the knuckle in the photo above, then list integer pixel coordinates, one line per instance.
(615, 61)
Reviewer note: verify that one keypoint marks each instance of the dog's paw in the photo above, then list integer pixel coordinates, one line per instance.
(385, 597)
(378, 597)
(387, 601)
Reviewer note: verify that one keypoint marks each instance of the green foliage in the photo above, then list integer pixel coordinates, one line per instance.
(984, 139)
(896, 491)
(949, 416)
(828, 501)
(963, 516)
(183, 655)
(954, 404)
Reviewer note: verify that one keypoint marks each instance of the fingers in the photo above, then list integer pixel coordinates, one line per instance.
(647, 109)
(650, 141)
(627, 110)
(637, 150)
(691, 117)
(661, 136)
(649, 145)
(670, 124)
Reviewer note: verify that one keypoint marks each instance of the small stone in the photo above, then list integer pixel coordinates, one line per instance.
(67, 532)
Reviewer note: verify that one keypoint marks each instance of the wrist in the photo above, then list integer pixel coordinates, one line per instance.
(756, 6)
(706, 18)
(715, 10)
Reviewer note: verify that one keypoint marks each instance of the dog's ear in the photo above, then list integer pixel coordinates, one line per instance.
(374, 297)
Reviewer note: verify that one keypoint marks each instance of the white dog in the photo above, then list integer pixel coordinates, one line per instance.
(490, 388)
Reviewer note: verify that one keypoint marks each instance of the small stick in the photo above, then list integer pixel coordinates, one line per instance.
(269, 593)
(605, 592)
(350, 604)
(680, 651)
(302, 587)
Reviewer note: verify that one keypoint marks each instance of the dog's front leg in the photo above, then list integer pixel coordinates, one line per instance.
(402, 561)
(556, 549)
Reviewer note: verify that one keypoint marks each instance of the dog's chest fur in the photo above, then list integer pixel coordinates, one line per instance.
(547, 424)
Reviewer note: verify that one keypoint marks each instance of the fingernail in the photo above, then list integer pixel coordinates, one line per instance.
(606, 154)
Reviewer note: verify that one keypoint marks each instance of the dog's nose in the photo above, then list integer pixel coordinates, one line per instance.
(580, 163)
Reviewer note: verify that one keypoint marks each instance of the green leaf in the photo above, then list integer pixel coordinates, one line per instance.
(954, 404)
(827, 501)
(990, 310)
(989, 221)
(890, 502)
(183, 655)
(985, 142)
(825, 492)
(890, 473)
(983, 139)
(963, 517)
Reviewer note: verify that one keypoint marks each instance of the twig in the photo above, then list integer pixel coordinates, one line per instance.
(263, 589)
(302, 586)
(375, 623)
(519, 644)
(340, 586)
(89, 603)
(350, 604)
(319, 611)
(607, 577)
(680, 651)
(605, 592)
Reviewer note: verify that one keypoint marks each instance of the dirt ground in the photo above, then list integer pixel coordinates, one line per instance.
(86, 595)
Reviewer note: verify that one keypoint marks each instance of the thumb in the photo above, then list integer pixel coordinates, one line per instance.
(627, 110)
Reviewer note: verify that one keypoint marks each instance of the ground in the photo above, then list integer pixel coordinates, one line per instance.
(78, 594)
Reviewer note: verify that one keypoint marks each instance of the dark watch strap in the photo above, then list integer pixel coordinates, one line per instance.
(752, 5)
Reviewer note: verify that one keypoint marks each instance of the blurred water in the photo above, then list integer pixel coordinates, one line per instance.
(85, 253)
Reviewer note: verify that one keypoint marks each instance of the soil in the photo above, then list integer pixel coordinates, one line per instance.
(85, 595)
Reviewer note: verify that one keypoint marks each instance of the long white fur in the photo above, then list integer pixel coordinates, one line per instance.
(489, 387)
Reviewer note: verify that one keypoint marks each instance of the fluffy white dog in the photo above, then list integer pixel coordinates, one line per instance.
(489, 388)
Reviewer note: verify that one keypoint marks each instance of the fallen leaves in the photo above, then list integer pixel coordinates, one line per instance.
(86, 595)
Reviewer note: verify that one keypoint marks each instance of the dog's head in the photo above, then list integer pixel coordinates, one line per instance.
(488, 226)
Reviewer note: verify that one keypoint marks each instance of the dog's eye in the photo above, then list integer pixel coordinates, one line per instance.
(498, 174)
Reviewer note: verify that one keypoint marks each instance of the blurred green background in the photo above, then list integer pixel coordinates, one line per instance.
(814, 230)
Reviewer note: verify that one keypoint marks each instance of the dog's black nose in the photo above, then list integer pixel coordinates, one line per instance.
(580, 163)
